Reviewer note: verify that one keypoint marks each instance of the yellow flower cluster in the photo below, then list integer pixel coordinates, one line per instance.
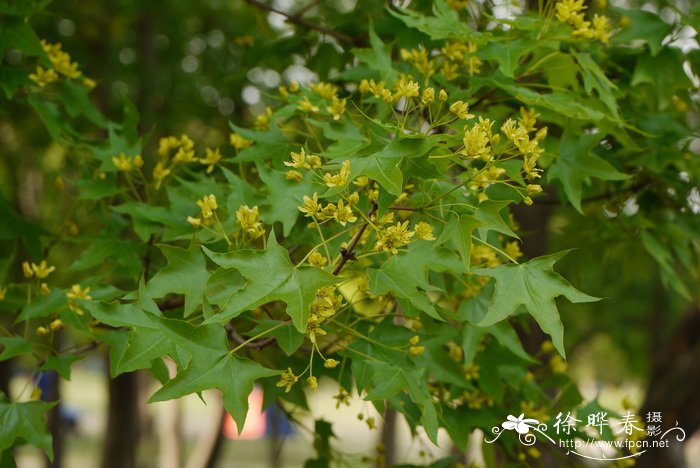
(249, 219)
(478, 140)
(125, 163)
(60, 60)
(340, 179)
(301, 160)
(529, 148)
(325, 90)
(77, 292)
(391, 238)
(41, 271)
(207, 205)
(182, 152)
(459, 55)
(376, 89)
(571, 12)
(293, 88)
(420, 59)
(341, 212)
(324, 306)
(60, 63)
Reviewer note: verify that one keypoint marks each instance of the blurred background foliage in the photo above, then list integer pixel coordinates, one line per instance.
(191, 67)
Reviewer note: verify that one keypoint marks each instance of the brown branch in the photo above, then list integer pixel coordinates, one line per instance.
(238, 338)
(299, 21)
(347, 253)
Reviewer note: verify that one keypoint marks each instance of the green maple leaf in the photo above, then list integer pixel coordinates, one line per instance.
(459, 230)
(24, 422)
(407, 274)
(186, 274)
(576, 162)
(535, 285)
(283, 197)
(389, 380)
(271, 276)
(211, 366)
(14, 346)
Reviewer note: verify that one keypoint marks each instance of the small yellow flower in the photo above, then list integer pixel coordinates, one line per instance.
(160, 172)
(343, 214)
(295, 176)
(212, 158)
(207, 205)
(44, 289)
(442, 95)
(407, 88)
(557, 364)
(239, 142)
(428, 96)
(43, 77)
(393, 237)
(185, 151)
(248, 218)
(317, 260)
(337, 108)
(424, 231)
(196, 222)
(311, 206)
(361, 181)
(331, 363)
(42, 270)
(512, 249)
(533, 189)
(27, 270)
(314, 161)
(415, 351)
(371, 423)
(471, 372)
(306, 106)
(461, 110)
(293, 86)
(262, 121)
(455, 351)
(122, 162)
(56, 325)
(89, 83)
(387, 96)
(287, 380)
(341, 178)
(298, 160)
(353, 198)
(41, 331)
(78, 292)
(414, 340)
(312, 383)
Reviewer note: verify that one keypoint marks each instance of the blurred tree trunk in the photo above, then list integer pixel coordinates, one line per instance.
(55, 422)
(388, 438)
(122, 430)
(674, 388)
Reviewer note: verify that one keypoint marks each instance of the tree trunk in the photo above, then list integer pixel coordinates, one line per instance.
(673, 390)
(122, 431)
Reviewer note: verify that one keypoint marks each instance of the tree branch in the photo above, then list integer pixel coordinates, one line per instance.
(347, 253)
(299, 21)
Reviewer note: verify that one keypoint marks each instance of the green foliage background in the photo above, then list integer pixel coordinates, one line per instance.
(422, 331)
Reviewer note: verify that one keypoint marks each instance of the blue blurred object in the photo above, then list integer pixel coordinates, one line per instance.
(277, 423)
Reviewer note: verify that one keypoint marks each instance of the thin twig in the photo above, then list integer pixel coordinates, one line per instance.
(347, 253)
